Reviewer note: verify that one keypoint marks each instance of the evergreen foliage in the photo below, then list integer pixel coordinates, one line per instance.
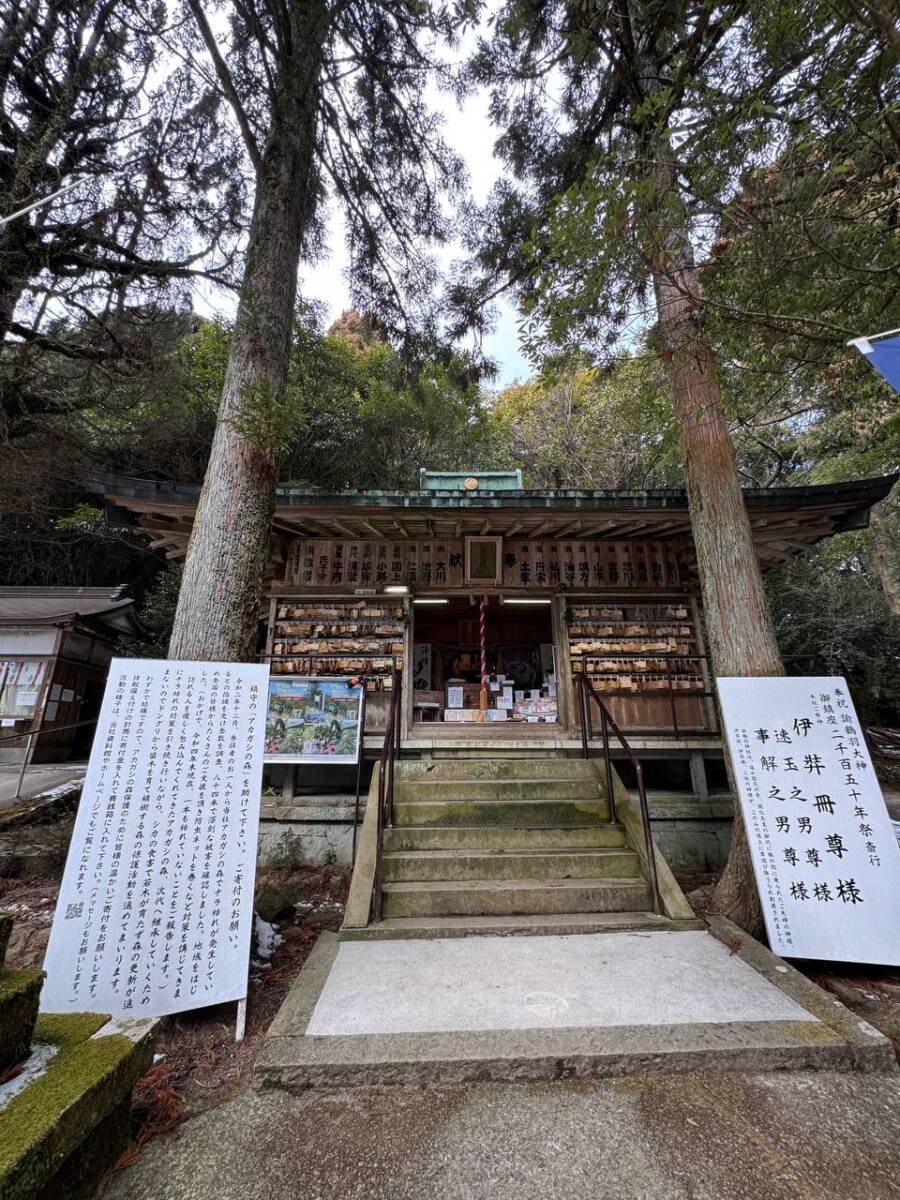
(784, 126)
(153, 191)
(831, 619)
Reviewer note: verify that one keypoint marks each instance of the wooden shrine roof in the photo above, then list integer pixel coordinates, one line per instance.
(785, 520)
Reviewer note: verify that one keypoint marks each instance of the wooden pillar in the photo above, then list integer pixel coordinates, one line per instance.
(699, 782)
(289, 783)
(563, 663)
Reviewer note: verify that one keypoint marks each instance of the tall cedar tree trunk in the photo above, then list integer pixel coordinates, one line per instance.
(219, 601)
(886, 550)
(741, 633)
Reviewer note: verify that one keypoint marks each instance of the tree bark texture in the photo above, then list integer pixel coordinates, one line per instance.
(219, 602)
(741, 634)
(886, 548)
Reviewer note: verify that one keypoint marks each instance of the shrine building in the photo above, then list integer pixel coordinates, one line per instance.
(598, 581)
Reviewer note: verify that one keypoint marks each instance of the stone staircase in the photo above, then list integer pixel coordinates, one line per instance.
(506, 841)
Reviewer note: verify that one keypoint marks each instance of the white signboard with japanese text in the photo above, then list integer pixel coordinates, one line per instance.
(826, 859)
(156, 907)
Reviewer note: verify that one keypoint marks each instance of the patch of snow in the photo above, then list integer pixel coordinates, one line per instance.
(40, 1058)
(268, 939)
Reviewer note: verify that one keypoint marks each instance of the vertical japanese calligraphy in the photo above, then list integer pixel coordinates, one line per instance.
(155, 911)
(826, 860)
(540, 563)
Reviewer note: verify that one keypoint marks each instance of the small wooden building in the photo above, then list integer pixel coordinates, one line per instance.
(55, 649)
(595, 580)
(600, 581)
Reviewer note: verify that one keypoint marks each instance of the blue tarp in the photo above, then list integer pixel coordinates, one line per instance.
(884, 355)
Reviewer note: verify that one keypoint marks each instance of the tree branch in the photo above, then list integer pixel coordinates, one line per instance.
(227, 84)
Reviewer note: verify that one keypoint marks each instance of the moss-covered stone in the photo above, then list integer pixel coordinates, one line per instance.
(6, 922)
(66, 1030)
(78, 1175)
(46, 1123)
(20, 994)
(274, 899)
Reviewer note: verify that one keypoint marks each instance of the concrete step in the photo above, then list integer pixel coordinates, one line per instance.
(519, 813)
(523, 925)
(375, 1013)
(507, 897)
(422, 865)
(497, 789)
(496, 768)
(503, 837)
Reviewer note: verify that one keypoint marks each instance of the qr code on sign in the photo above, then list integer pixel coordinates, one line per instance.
(74, 910)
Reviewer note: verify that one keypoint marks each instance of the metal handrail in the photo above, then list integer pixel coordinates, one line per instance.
(31, 734)
(390, 752)
(587, 693)
(16, 737)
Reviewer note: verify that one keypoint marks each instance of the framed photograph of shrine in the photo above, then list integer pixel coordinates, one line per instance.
(313, 720)
(484, 561)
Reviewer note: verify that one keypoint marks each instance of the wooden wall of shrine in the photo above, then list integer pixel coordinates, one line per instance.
(544, 563)
(645, 659)
(334, 636)
(625, 614)
(353, 635)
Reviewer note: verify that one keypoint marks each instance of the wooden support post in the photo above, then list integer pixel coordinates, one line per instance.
(699, 783)
(289, 784)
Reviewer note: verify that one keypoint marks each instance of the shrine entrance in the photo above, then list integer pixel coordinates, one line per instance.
(458, 640)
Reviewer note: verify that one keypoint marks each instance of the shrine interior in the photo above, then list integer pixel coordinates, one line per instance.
(447, 660)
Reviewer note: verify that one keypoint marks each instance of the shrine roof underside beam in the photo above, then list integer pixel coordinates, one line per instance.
(785, 521)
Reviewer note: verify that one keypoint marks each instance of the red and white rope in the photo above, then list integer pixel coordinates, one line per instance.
(482, 641)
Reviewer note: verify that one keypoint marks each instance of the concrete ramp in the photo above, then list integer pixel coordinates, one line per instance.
(543, 1007)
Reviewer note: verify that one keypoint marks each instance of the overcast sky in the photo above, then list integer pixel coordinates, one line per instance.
(470, 133)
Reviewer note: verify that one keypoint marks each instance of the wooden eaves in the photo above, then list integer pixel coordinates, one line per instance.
(785, 521)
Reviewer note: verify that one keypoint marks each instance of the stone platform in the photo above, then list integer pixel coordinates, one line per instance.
(544, 1007)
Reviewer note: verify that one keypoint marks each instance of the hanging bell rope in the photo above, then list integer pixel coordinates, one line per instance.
(482, 645)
